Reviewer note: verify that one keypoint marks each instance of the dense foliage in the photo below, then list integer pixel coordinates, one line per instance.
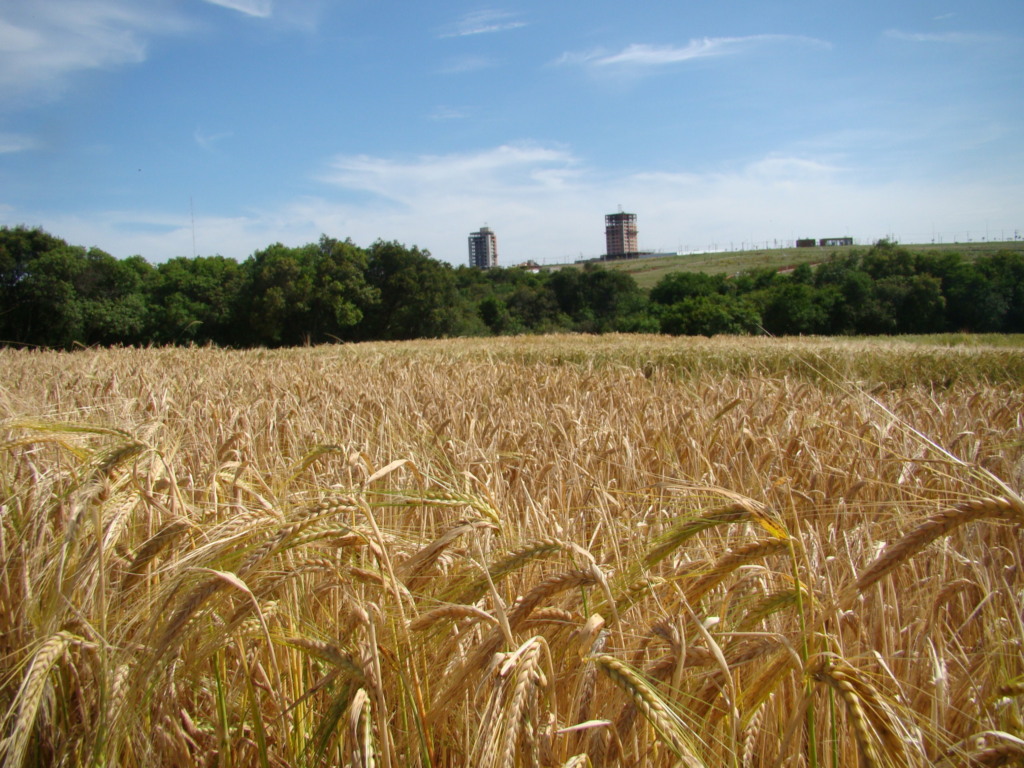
(59, 295)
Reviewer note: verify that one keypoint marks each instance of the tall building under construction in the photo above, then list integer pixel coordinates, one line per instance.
(483, 249)
(620, 236)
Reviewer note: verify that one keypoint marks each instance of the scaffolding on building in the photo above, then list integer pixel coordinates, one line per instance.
(620, 236)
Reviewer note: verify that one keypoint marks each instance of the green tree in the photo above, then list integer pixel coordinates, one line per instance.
(567, 287)
(114, 298)
(974, 301)
(915, 303)
(533, 308)
(50, 312)
(20, 319)
(676, 286)
(611, 297)
(198, 300)
(753, 280)
(887, 259)
(495, 315)
(311, 294)
(419, 297)
(1005, 272)
(795, 308)
(711, 314)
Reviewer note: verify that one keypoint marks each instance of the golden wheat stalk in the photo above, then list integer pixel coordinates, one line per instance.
(746, 553)
(875, 720)
(519, 613)
(689, 527)
(419, 561)
(666, 723)
(940, 524)
(513, 562)
(30, 695)
(452, 612)
(150, 549)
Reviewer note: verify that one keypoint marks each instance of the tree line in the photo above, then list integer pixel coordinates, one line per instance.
(58, 295)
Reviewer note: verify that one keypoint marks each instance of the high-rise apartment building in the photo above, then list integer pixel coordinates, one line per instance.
(483, 249)
(620, 236)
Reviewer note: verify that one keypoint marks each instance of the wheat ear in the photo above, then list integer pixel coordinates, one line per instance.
(690, 527)
(729, 562)
(1000, 754)
(453, 612)
(529, 676)
(940, 524)
(666, 723)
(31, 693)
(520, 613)
(855, 695)
(360, 725)
(150, 549)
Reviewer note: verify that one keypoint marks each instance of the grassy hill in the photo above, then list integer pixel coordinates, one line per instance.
(647, 272)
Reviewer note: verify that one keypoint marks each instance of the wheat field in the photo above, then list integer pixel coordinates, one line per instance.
(558, 551)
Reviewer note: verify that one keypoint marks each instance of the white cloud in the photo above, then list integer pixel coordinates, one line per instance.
(208, 141)
(482, 23)
(13, 142)
(14, 38)
(44, 42)
(547, 204)
(465, 64)
(448, 113)
(643, 55)
(796, 169)
(508, 169)
(957, 38)
(259, 8)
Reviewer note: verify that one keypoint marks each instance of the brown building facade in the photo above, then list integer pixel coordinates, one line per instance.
(620, 236)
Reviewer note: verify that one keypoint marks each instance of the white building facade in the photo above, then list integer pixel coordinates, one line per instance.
(483, 249)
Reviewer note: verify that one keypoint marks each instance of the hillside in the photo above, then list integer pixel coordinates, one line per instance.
(647, 272)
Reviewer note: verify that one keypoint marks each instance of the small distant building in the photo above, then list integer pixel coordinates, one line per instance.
(483, 249)
(806, 242)
(529, 266)
(830, 242)
(620, 236)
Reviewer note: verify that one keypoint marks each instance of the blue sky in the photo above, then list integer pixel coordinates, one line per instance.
(172, 127)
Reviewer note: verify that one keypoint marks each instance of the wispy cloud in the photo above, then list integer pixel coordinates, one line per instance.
(258, 8)
(448, 113)
(44, 42)
(792, 169)
(643, 55)
(546, 203)
(208, 141)
(482, 23)
(956, 38)
(12, 142)
(507, 168)
(465, 64)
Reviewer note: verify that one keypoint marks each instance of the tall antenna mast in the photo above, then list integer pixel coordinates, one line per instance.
(192, 211)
